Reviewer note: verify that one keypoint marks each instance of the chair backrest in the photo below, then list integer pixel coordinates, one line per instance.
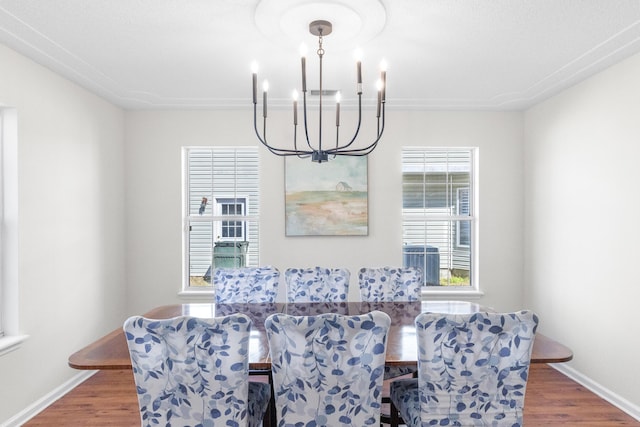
(190, 371)
(317, 284)
(390, 284)
(473, 368)
(246, 284)
(328, 368)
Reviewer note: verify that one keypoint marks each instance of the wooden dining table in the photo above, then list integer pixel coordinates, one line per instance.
(111, 352)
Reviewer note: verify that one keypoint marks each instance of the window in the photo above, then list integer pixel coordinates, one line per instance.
(10, 339)
(438, 215)
(2, 248)
(221, 211)
(230, 230)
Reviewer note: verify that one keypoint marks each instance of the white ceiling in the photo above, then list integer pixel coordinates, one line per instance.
(442, 54)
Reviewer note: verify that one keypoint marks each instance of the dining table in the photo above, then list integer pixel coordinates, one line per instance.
(111, 352)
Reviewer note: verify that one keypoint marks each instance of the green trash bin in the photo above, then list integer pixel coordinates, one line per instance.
(230, 254)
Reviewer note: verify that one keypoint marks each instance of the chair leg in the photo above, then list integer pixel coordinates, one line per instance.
(272, 420)
(266, 420)
(395, 418)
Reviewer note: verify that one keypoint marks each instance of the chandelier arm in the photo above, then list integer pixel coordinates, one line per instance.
(364, 150)
(355, 135)
(295, 144)
(274, 150)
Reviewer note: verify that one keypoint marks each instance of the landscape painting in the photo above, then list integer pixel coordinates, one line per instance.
(326, 199)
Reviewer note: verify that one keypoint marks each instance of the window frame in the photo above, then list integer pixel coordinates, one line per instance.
(416, 215)
(213, 215)
(10, 337)
(459, 231)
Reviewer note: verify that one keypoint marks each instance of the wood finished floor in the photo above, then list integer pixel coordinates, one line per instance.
(108, 399)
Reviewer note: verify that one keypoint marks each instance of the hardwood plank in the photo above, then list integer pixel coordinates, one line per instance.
(108, 399)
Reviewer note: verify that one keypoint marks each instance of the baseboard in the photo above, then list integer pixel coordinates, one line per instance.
(41, 404)
(606, 394)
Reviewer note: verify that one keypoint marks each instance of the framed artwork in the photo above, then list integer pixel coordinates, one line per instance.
(326, 199)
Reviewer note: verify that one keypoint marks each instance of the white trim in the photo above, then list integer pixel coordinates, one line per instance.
(603, 392)
(11, 343)
(41, 404)
(199, 295)
(435, 292)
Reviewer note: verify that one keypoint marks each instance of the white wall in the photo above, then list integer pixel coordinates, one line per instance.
(100, 220)
(582, 233)
(71, 233)
(153, 197)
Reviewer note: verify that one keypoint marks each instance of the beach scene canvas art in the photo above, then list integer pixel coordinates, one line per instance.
(326, 199)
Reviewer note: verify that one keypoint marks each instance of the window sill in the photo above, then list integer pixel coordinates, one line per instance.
(207, 294)
(448, 293)
(11, 343)
(435, 293)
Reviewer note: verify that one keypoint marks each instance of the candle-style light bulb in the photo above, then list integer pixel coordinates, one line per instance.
(295, 107)
(265, 89)
(303, 61)
(379, 87)
(358, 56)
(338, 98)
(254, 75)
(383, 77)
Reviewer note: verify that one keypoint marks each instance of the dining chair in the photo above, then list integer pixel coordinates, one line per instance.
(381, 284)
(327, 369)
(192, 371)
(246, 284)
(472, 370)
(390, 284)
(317, 284)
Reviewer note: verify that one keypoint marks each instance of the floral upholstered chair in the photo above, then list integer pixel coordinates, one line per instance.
(246, 284)
(390, 284)
(472, 370)
(327, 369)
(317, 284)
(194, 372)
(381, 284)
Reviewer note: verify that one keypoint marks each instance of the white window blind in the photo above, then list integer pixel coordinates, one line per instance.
(222, 210)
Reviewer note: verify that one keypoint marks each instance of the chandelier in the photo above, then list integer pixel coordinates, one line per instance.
(316, 150)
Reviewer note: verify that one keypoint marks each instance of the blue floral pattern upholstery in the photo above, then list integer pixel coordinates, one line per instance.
(246, 284)
(305, 309)
(327, 369)
(390, 284)
(194, 372)
(472, 370)
(317, 284)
